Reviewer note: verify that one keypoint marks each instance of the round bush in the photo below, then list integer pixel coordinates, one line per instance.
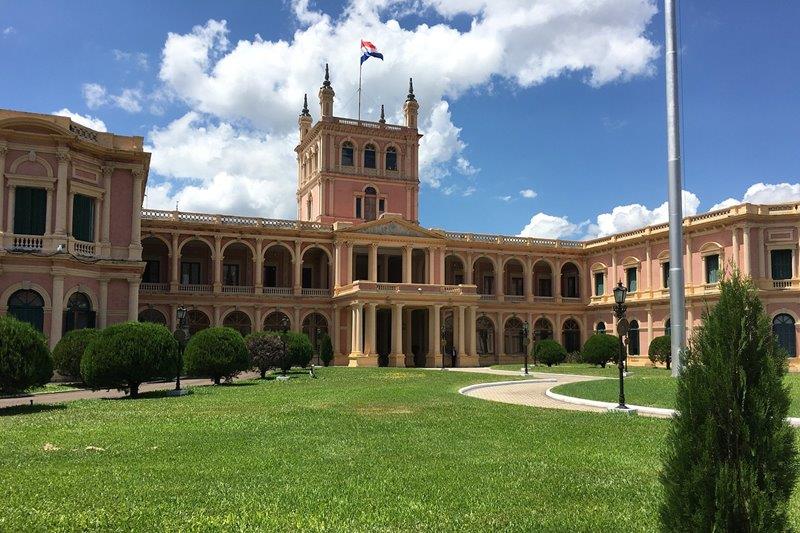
(124, 356)
(660, 350)
(266, 350)
(299, 348)
(600, 349)
(24, 358)
(550, 352)
(70, 349)
(325, 350)
(216, 353)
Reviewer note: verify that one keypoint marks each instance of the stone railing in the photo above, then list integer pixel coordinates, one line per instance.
(237, 289)
(278, 291)
(194, 288)
(508, 239)
(83, 132)
(315, 292)
(85, 249)
(231, 220)
(154, 287)
(406, 288)
(27, 243)
(366, 124)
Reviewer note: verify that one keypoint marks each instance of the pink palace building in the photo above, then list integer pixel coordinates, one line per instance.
(77, 250)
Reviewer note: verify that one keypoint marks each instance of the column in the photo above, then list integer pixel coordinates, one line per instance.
(175, 269)
(105, 226)
(297, 265)
(746, 243)
(499, 279)
(408, 355)
(348, 275)
(355, 321)
(500, 337)
(298, 327)
(217, 318)
(56, 318)
(173, 318)
(102, 312)
(133, 299)
(70, 204)
(217, 259)
(3, 152)
(649, 328)
(259, 324)
(136, 227)
(97, 224)
(468, 270)
(407, 251)
(735, 245)
(369, 333)
(48, 217)
(338, 257)
(61, 192)
(762, 249)
(373, 262)
(527, 283)
(473, 333)
(434, 358)
(648, 270)
(336, 334)
(689, 281)
(461, 346)
(440, 279)
(557, 278)
(12, 194)
(397, 358)
(427, 277)
(258, 279)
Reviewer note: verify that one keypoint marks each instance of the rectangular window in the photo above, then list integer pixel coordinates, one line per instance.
(230, 274)
(545, 287)
(599, 284)
(152, 271)
(382, 205)
(516, 287)
(488, 285)
(307, 277)
(270, 276)
(369, 158)
(83, 218)
(190, 273)
(347, 156)
(712, 268)
(781, 261)
(30, 211)
(391, 160)
(358, 207)
(631, 275)
(665, 274)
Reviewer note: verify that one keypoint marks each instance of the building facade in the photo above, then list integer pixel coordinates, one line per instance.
(78, 250)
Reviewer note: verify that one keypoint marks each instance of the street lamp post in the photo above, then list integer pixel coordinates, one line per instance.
(182, 336)
(444, 343)
(525, 332)
(622, 329)
(284, 330)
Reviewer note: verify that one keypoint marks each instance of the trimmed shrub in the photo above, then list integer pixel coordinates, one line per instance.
(550, 352)
(24, 358)
(730, 462)
(325, 350)
(124, 356)
(266, 350)
(299, 348)
(217, 353)
(660, 350)
(70, 349)
(601, 348)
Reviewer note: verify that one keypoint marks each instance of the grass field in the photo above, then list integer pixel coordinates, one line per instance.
(355, 450)
(610, 370)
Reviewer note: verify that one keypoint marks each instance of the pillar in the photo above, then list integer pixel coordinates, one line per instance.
(434, 358)
(336, 333)
(689, 281)
(369, 330)
(338, 257)
(175, 270)
(735, 245)
(102, 311)
(56, 319)
(649, 329)
(48, 217)
(12, 195)
(499, 279)
(408, 353)
(407, 251)
(472, 336)
(468, 270)
(135, 253)
(440, 276)
(258, 278)
(297, 267)
(648, 270)
(217, 318)
(259, 315)
(298, 327)
(373, 262)
(217, 260)
(461, 346)
(746, 244)
(527, 282)
(348, 275)
(427, 277)
(105, 225)
(396, 358)
(356, 352)
(762, 250)
(557, 278)
(61, 192)
(3, 152)
(133, 299)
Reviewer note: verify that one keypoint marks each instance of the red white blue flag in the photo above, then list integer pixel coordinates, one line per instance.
(368, 50)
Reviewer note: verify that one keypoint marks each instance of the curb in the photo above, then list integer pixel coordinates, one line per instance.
(658, 411)
(476, 386)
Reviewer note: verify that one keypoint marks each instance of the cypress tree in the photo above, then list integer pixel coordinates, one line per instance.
(730, 460)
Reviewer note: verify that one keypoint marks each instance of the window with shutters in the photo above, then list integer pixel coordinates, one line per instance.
(230, 274)
(152, 271)
(599, 284)
(79, 313)
(358, 207)
(632, 282)
(781, 261)
(83, 218)
(665, 274)
(190, 273)
(712, 268)
(347, 154)
(391, 158)
(369, 156)
(30, 211)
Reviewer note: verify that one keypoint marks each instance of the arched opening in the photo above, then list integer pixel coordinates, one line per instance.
(483, 275)
(600, 327)
(391, 158)
(514, 338)
(571, 336)
(783, 326)
(315, 326)
(542, 279)
(369, 156)
(348, 153)
(237, 268)
(197, 321)
(27, 306)
(633, 338)
(370, 204)
(275, 320)
(196, 266)
(514, 278)
(155, 255)
(485, 336)
(277, 270)
(239, 321)
(316, 269)
(153, 316)
(453, 270)
(78, 313)
(570, 281)
(542, 329)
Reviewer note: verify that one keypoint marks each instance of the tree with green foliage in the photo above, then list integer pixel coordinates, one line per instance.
(124, 356)
(325, 349)
(549, 352)
(217, 353)
(70, 349)
(266, 350)
(24, 358)
(660, 350)
(730, 462)
(601, 348)
(299, 350)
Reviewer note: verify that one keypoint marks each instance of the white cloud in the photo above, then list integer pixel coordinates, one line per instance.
(469, 191)
(85, 120)
(139, 59)
(97, 96)
(257, 85)
(8, 30)
(528, 193)
(506, 198)
(764, 193)
(549, 227)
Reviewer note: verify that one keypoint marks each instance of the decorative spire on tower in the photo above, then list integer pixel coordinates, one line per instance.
(383, 118)
(326, 95)
(327, 82)
(304, 112)
(410, 96)
(411, 106)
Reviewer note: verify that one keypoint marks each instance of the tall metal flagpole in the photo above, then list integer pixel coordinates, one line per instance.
(677, 298)
(359, 89)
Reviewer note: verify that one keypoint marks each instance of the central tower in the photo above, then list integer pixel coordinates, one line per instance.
(355, 170)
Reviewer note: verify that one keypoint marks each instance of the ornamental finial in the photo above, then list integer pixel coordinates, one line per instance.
(327, 82)
(383, 118)
(410, 89)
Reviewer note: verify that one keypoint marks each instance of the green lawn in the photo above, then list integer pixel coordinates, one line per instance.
(45, 389)
(355, 450)
(610, 370)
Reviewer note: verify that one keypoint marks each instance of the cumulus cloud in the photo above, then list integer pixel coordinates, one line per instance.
(139, 59)
(550, 227)
(764, 193)
(255, 86)
(528, 193)
(86, 120)
(97, 96)
(9, 30)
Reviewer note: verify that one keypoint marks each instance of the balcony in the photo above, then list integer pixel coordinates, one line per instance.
(83, 249)
(315, 292)
(409, 289)
(514, 298)
(196, 288)
(488, 297)
(278, 291)
(25, 243)
(237, 289)
(154, 287)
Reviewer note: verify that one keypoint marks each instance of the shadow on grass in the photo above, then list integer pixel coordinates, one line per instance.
(30, 409)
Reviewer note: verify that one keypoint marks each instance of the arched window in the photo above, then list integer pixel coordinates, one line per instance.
(571, 336)
(600, 327)
(370, 204)
(369, 156)
(485, 331)
(514, 337)
(348, 154)
(542, 329)
(79, 314)
(27, 306)
(391, 158)
(274, 321)
(784, 330)
(633, 338)
(315, 326)
(154, 316)
(239, 321)
(198, 321)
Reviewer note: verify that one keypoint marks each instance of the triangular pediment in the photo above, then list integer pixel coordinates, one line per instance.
(394, 226)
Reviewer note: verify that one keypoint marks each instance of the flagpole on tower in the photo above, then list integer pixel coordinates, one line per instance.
(359, 89)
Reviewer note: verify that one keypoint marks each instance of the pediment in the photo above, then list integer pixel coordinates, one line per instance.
(394, 227)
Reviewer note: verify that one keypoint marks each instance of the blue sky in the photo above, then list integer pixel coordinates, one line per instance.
(516, 96)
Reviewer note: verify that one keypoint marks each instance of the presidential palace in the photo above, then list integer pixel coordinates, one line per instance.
(77, 250)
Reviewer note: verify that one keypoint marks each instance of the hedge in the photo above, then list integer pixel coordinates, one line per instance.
(70, 349)
(217, 353)
(24, 358)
